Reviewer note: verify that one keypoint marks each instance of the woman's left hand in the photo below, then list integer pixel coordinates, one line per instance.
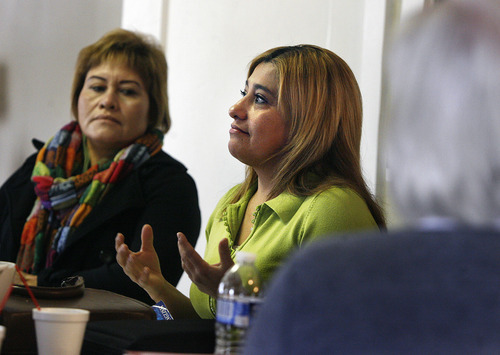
(143, 267)
(207, 277)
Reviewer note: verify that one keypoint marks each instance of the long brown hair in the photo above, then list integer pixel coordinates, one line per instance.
(320, 98)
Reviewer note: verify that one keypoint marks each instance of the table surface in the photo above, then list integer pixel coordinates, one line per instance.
(181, 336)
(103, 305)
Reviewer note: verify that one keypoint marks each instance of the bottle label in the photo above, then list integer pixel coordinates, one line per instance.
(234, 312)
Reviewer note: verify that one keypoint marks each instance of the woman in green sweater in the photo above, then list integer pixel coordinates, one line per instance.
(297, 128)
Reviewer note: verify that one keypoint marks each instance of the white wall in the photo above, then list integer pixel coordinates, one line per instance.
(39, 43)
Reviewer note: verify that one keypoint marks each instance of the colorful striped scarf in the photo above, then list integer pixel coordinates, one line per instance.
(66, 194)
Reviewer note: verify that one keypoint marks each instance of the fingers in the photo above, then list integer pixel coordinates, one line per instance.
(126, 259)
(142, 267)
(119, 240)
(182, 239)
(134, 268)
(122, 251)
(192, 262)
(186, 249)
(225, 254)
(147, 239)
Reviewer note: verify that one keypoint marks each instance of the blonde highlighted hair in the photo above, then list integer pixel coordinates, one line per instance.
(139, 53)
(320, 99)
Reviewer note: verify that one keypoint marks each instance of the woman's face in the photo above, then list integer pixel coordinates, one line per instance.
(258, 130)
(113, 108)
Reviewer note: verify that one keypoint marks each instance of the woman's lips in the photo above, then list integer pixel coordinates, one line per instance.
(235, 129)
(106, 118)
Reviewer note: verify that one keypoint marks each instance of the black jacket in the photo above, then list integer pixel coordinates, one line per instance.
(159, 192)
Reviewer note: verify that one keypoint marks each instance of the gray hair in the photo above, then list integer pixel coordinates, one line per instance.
(443, 147)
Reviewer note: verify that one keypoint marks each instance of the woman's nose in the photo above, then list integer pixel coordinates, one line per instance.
(238, 111)
(108, 101)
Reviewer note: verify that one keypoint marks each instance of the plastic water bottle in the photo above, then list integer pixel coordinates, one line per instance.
(236, 304)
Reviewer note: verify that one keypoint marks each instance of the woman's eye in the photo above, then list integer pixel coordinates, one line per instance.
(260, 99)
(128, 92)
(97, 88)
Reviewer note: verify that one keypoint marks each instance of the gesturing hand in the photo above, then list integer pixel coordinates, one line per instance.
(143, 267)
(207, 277)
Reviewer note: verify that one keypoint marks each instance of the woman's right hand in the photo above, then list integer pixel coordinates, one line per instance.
(205, 276)
(143, 267)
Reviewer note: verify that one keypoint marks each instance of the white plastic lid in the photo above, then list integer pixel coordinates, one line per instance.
(245, 257)
(55, 314)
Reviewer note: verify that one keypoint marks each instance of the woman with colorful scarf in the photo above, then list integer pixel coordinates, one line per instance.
(102, 174)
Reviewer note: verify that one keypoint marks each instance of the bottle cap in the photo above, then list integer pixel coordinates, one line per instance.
(245, 257)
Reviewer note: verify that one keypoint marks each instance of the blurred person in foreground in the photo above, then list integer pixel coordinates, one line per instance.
(433, 288)
(297, 128)
(102, 173)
